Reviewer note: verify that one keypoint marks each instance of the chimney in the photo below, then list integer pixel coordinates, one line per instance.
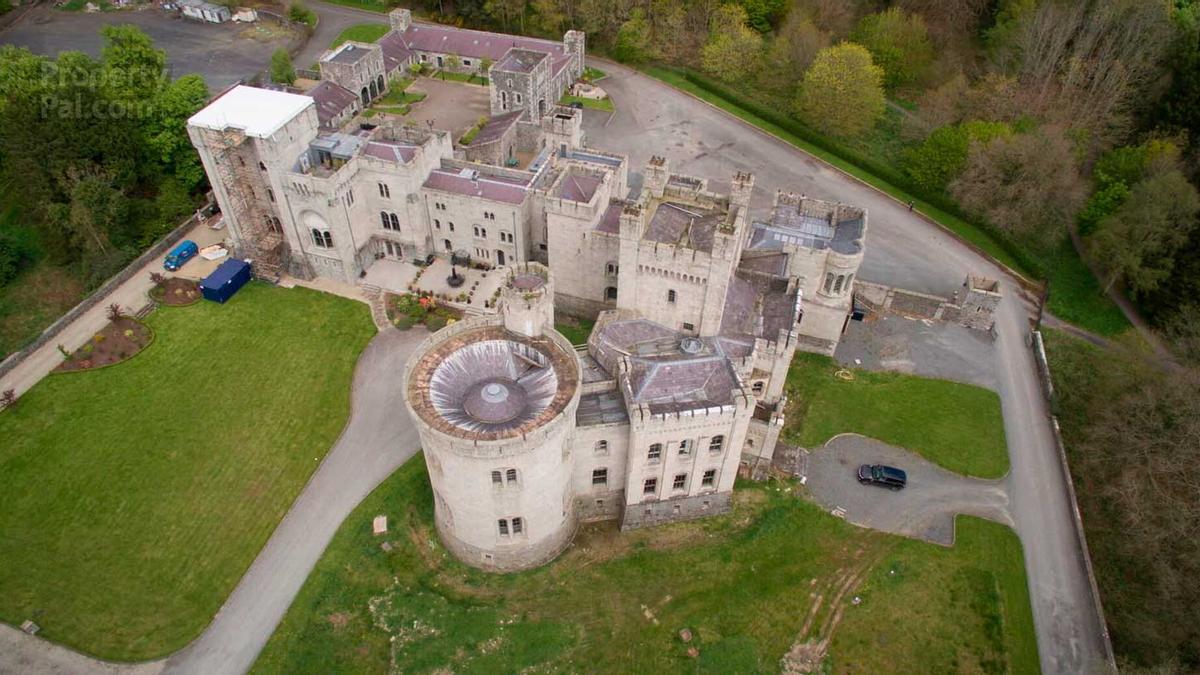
(400, 19)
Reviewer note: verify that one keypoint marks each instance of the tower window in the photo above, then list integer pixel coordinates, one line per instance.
(710, 478)
(655, 452)
(503, 525)
(671, 295)
(650, 486)
(716, 444)
(599, 476)
(680, 482)
(601, 447)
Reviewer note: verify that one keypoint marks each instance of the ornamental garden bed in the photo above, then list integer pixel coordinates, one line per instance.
(408, 310)
(120, 340)
(175, 292)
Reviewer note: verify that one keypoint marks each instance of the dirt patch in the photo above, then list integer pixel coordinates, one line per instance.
(116, 342)
(176, 292)
(339, 619)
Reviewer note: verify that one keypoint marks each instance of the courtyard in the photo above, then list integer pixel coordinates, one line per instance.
(136, 496)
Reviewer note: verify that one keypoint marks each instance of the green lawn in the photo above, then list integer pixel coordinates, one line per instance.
(575, 330)
(370, 5)
(363, 32)
(957, 426)
(604, 104)
(136, 496)
(469, 78)
(400, 97)
(591, 74)
(1076, 296)
(615, 602)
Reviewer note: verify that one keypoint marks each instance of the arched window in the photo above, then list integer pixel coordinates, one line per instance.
(849, 279)
(322, 238)
(837, 285)
(262, 166)
(446, 243)
(716, 444)
(671, 295)
(611, 269)
(383, 218)
(395, 222)
(610, 294)
(828, 281)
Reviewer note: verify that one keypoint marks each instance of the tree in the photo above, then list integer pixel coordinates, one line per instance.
(733, 47)
(1137, 244)
(943, 155)
(133, 68)
(1026, 184)
(762, 15)
(166, 130)
(633, 39)
(453, 63)
(842, 92)
(898, 42)
(282, 70)
(300, 13)
(791, 51)
(485, 65)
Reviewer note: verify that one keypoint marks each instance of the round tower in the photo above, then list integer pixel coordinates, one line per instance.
(527, 299)
(494, 401)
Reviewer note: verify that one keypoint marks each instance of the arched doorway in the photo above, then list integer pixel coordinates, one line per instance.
(366, 99)
(374, 91)
(379, 83)
(499, 257)
(610, 294)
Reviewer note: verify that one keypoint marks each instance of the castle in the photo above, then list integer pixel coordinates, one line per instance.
(699, 305)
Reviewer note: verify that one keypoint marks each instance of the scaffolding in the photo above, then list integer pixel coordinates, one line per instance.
(259, 231)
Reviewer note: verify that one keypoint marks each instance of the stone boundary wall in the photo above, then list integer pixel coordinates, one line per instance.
(97, 296)
(880, 298)
(1039, 355)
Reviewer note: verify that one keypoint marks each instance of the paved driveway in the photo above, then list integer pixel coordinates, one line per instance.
(925, 509)
(222, 54)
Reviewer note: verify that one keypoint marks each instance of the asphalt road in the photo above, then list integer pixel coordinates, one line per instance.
(222, 54)
(902, 250)
(925, 509)
(334, 19)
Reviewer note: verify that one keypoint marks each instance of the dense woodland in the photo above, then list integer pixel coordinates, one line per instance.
(1069, 129)
(95, 163)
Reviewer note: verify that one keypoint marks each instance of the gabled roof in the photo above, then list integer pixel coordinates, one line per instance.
(332, 100)
(493, 188)
(474, 43)
(395, 50)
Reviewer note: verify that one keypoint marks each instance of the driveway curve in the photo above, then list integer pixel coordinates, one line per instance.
(925, 509)
(378, 438)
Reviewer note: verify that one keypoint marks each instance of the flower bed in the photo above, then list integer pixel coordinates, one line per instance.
(120, 340)
(176, 292)
(406, 311)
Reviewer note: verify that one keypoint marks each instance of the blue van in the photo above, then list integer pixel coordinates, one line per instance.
(185, 251)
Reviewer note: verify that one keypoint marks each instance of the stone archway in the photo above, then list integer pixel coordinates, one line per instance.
(374, 91)
(366, 99)
(379, 82)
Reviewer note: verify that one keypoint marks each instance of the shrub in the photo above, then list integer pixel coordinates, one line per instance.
(8, 399)
(115, 312)
(157, 279)
(128, 333)
(435, 323)
(405, 322)
(98, 338)
(300, 12)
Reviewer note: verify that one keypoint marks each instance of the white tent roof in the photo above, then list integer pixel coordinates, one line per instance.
(257, 112)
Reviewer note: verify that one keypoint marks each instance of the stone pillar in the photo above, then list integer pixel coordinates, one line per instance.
(400, 19)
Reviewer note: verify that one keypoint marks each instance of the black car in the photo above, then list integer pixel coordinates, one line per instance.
(884, 476)
(576, 105)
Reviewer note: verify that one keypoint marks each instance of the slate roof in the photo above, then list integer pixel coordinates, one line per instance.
(684, 225)
(392, 151)
(758, 305)
(332, 100)
(496, 127)
(395, 50)
(810, 229)
(493, 188)
(578, 188)
(474, 43)
(349, 53)
(521, 60)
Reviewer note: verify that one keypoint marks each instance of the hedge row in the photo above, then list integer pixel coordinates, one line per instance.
(879, 169)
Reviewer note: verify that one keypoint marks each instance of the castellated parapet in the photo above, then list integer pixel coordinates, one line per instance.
(527, 299)
(495, 410)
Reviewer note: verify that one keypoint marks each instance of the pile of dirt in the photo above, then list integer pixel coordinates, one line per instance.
(176, 292)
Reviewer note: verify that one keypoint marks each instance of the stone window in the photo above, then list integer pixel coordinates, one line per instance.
(395, 222)
(518, 99)
(466, 62)
(757, 388)
(446, 243)
(710, 478)
(849, 278)
(437, 223)
(510, 476)
(716, 444)
(685, 448)
(601, 447)
(497, 478)
(322, 238)
(611, 269)
(271, 194)
(517, 526)
(671, 295)
(680, 482)
(828, 281)
(689, 327)
(610, 293)
(650, 486)
(385, 191)
(262, 166)
(383, 218)
(600, 476)
(503, 524)
(837, 285)
(450, 224)
(655, 452)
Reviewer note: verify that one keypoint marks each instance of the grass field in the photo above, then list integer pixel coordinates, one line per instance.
(575, 330)
(363, 32)
(136, 496)
(615, 602)
(33, 301)
(469, 78)
(957, 426)
(1076, 296)
(604, 104)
